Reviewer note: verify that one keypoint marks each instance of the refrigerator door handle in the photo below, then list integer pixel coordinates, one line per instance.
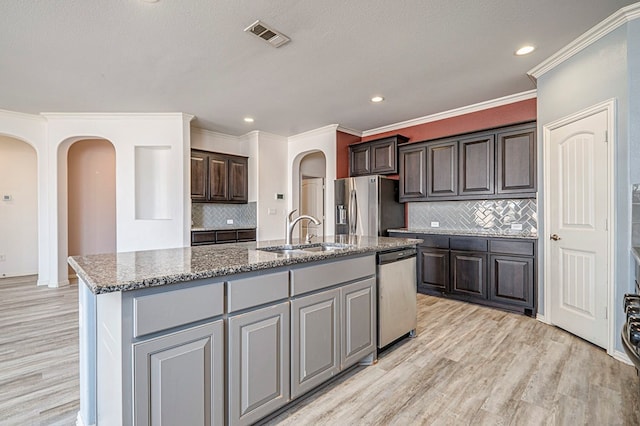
(353, 212)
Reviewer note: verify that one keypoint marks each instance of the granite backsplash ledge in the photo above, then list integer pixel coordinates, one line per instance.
(205, 215)
(491, 217)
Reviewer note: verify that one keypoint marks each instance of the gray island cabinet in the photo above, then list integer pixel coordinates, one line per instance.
(222, 343)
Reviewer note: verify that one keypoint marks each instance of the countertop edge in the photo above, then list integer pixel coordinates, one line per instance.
(162, 280)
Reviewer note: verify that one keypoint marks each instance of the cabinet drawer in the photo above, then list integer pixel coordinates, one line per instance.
(203, 237)
(156, 312)
(226, 236)
(255, 291)
(524, 248)
(468, 244)
(434, 241)
(313, 278)
(247, 235)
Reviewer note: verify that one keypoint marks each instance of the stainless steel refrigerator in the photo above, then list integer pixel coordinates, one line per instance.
(367, 206)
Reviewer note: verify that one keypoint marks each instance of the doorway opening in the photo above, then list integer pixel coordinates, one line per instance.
(91, 199)
(311, 183)
(18, 208)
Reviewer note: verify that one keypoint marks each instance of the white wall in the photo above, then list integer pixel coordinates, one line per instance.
(597, 73)
(272, 179)
(32, 129)
(19, 216)
(323, 140)
(313, 165)
(52, 135)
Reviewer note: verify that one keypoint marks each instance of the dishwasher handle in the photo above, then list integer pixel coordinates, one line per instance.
(396, 255)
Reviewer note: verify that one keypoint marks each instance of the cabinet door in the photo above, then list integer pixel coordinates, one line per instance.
(442, 170)
(517, 161)
(359, 160)
(258, 363)
(238, 183)
(468, 274)
(476, 168)
(383, 157)
(315, 354)
(413, 172)
(358, 321)
(218, 178)
(512, 280)
(433, 269)
(199, 176)
(179, 378)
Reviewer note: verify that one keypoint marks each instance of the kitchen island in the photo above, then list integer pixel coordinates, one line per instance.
(221, 334)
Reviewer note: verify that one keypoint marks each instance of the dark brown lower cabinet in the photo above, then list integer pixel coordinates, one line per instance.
(498, 272)
(469, 273)
(433, 269)
(511, 279)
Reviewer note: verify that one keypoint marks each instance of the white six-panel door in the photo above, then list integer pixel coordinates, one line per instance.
(578, 231)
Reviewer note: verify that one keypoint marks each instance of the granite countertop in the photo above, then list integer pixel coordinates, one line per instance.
(105, 273)
(636, 253)
(484, 233)
(221, 228)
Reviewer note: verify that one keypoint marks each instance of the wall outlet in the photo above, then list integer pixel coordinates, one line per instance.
(435, 224)
(229, 221)
(516, 227)
(3, 258)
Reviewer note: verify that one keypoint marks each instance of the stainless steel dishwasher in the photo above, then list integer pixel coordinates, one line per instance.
(397, 311)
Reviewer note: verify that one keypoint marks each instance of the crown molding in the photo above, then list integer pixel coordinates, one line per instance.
(22, 115)
(113, 115)
(505, 100)
(614, 21)
(214, 134)
(314, 132)
(349, 131)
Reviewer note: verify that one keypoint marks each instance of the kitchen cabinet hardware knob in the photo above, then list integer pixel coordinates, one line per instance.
(555, 237)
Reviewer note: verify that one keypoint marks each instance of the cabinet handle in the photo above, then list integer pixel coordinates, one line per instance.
(555, 237)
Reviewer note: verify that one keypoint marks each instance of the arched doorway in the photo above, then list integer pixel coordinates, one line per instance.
(18, 208)
(311, 185)
(91, 197)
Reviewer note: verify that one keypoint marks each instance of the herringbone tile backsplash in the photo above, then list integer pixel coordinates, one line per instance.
(216, 215)
(483, 216)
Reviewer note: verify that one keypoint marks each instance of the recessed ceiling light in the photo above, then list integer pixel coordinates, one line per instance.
(377, 99)
(150, 1)
(524, 50)
(248, 120)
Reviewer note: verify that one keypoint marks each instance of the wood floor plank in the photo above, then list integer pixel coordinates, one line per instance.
(468, 365)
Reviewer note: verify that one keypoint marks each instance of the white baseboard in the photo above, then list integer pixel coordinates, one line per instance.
(59, 284)
(621, 356)
(542, 318)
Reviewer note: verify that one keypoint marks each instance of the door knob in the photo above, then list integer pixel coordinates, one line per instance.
(555, 237)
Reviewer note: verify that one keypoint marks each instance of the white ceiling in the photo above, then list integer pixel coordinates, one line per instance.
(192, 56)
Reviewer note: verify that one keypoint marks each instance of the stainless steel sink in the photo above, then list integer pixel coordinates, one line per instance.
(306, 248)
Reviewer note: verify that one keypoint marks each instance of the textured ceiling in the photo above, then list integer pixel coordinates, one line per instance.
(192, 56)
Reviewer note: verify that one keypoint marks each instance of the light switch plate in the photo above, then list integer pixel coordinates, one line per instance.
(435, 224)
(516, 226)
(272, 212)
(6, 198)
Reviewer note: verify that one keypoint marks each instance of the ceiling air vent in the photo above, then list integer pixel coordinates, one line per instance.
(274, 37)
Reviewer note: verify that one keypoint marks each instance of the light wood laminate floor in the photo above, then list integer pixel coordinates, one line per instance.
(468, 365)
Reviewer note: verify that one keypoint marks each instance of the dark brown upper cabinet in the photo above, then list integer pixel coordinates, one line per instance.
(442, 169)
(377, 157)
(476, 166)
(499, 163)
(517, 161)
(218, 178)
